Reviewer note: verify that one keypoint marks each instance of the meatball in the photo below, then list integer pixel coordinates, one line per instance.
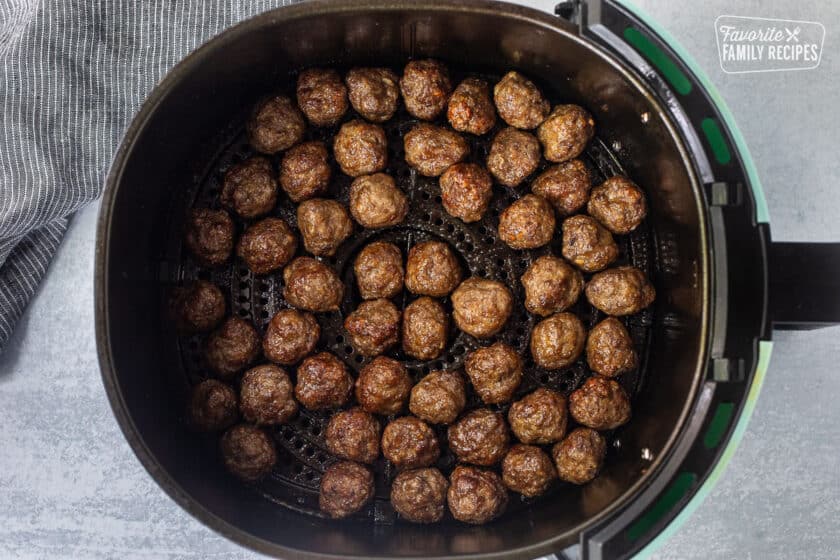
(470, 108)
(374, 92)
(565, 185)
(419, 495)
(323, 382)
(528, 470)
(266, 396)
(197, 307)
(513, 156)
(276, 125)
(466, 190)
(209, 236)
(373, 327)
(566, 132)
(495, 372)
(410, 443)
(556, 342)
(588, 244)
(480, 437)
(476, 495)
(439, 397)
(345, 489)
(624, 290)
(579, 457)
(232, 347)
(551, 285)
(432, 269)
(291, 335)
(354, 435)
(519, 102)
(376, 202)
(600, 403)
(609, 349)
(213, 406)
(539, 417)
(425, 329)
(249, 188)
(361, 148)
(324, 225)
(379, 270)
(312, 285)
(528, 223)
(383, 386)
(267, 245)
(322, 96)
(248, 452)
(305, 171)
(618, 204)
(481, 307)
(432, 149)
(425, 88)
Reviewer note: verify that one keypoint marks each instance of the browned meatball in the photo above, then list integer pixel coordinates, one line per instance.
(425, 88)
(565, 185)
(383, 386)
(276, 125)
(322, 96)
(588, 244)
(495, 372)
(376, 202)
(379, 270)
(566, 132)
(324, 225)
(600, 403)
(480, 437)
(432, 269)
(476, 496)
(425, 329)
(374, 92)
(419, 495)
(556, 342)
(249, 188)
(623, 290)
(618, 204)
(232, 347)
(290, 336)
(410, 443)
(439, 397)
(580, 455)
(466, 190)
(266, 396)
(312, 285)
(551, 285)
(470, 108)
(432, 149)
(373, 327)
(213, 406)
(345, 489)
(481, 307)
(209, 236)
(267, 245)
(519, 102)
(539, 417)
(528, 223)
(354, 435)
(323, 382)
(513, 156)
(305, 171)
(361, 148)
(248, 452)
(528, 470)
(197, 307)
(609, 349)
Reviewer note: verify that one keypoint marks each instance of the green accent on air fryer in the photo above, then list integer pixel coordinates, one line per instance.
(662, 61)
(716, 140)
(678, 489)
(717, 427)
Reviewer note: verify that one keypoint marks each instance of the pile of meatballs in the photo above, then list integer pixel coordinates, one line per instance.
(261, 381)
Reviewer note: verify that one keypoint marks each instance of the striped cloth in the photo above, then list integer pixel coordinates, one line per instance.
(72, 75)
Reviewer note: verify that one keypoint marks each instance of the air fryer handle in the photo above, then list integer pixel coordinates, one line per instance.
(804, 285)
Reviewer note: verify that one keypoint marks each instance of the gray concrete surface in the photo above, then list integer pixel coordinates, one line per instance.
(70, 487)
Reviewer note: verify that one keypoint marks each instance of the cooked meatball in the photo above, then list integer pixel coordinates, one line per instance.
(374, 92)
(267, 245)
(609, 349)
(466, 190)
(354, 435)
(376, 202)
(528, 223)
(475, 495)
(580, 455)
(519, 102)
(600, 403)
(305, 171)
(425, 329)
(373, 327)
(495, 372)
(197, 307)
(345, 489)
(588, 244)
(432, 149)
(410, 443)
(565, 185)
(539, 417)
(618, 204)
(425, 88)
(266, 396)
(556, 342)
(432, 269)
(249, 188)
(528, 470)
(419, 495)
(322, 96)
(248, 452)
(291, 335)
(324, 225)
(323, 382)
(514, 155)
(480, 437)
(383, 386)
(209, 236)
(439, 397)
(232, 347)
(623, 290)
(379, 270)
(276, 125)
(481, 307)
(470, 108)
(361, 148)
(551, 285)
(312, 285)
(566, 132)
(213, 406)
